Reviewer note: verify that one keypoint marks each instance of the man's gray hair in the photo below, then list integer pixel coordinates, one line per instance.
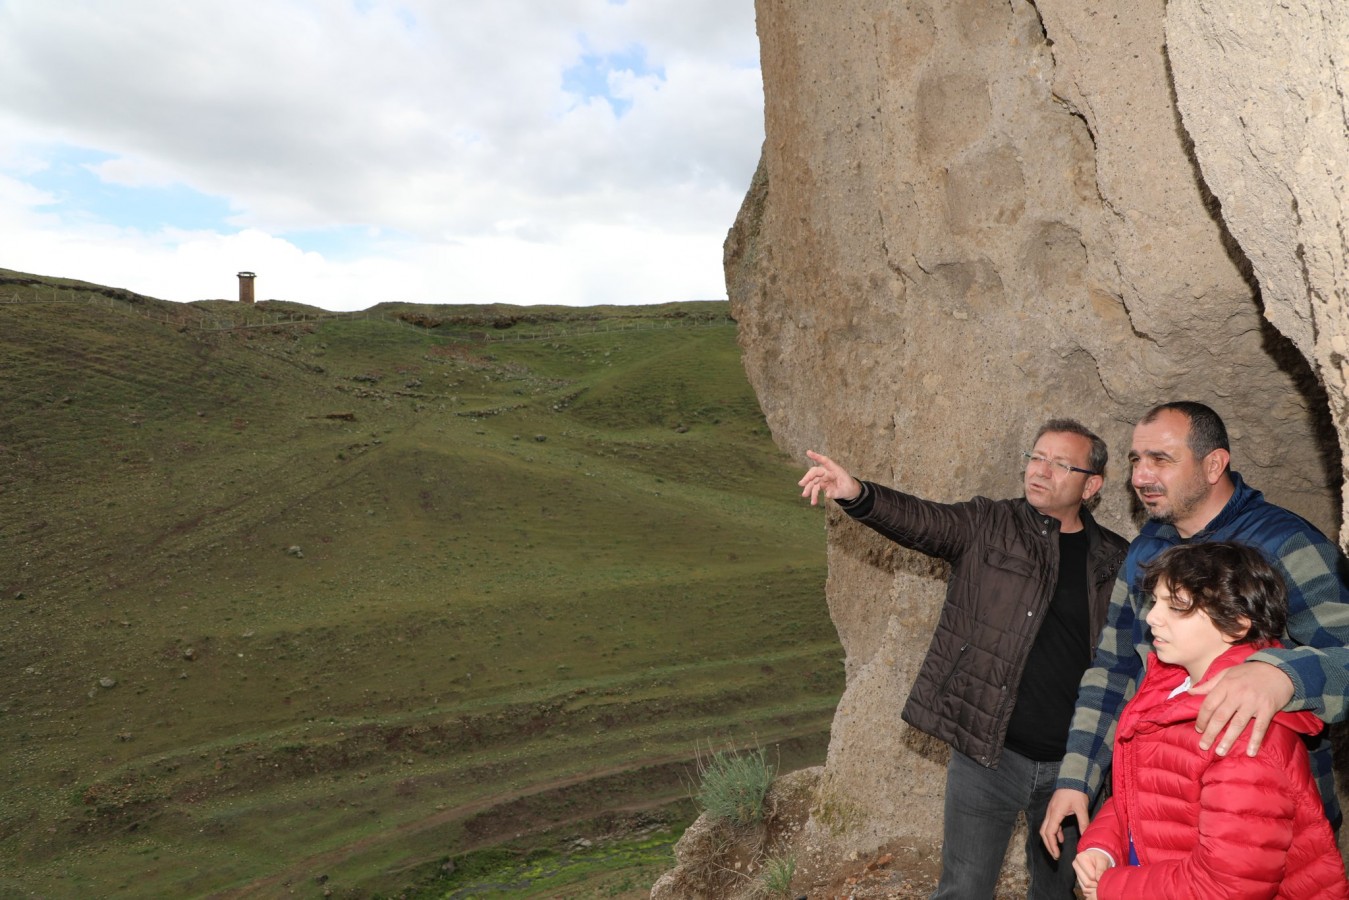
(1100, 453)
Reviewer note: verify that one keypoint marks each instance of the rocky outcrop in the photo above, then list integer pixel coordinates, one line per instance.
(1261, 90)
(715, 858)
(971, 216)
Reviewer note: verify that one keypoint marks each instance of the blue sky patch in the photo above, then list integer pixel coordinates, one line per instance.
(590, 77)
(344, 243)
(405, 16)
(80, 194)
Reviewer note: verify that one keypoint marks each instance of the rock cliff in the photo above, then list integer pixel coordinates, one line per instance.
(970, 216)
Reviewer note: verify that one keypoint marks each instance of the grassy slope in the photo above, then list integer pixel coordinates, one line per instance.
(532, 576)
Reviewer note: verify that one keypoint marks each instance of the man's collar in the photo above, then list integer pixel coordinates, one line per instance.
(1242, 494)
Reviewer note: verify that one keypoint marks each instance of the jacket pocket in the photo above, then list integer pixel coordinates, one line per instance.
(955, 667)
(1008, 562)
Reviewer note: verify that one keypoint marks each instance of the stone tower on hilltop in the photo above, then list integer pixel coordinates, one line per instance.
(246, 287)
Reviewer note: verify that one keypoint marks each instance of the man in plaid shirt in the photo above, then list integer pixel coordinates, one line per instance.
(1180, 458)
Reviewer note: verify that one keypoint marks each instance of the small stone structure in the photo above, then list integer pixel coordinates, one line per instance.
(246, 286)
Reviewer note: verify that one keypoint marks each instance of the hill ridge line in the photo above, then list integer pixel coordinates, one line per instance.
(126, 301)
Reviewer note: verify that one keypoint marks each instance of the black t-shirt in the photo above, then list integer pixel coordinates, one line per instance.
(1045, 700)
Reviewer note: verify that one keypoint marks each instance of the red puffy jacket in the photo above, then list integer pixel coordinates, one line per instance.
(1209, 826)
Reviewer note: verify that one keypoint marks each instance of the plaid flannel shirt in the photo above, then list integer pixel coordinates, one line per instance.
(1316, 660)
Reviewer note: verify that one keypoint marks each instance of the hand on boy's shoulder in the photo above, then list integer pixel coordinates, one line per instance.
(1247, 694)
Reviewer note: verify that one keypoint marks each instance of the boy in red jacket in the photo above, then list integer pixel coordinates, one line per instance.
(1186, 823)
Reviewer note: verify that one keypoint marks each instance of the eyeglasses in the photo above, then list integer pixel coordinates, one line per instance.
(1063, 467)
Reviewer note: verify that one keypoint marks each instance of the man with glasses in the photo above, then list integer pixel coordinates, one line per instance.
(1027, 595)
(1180, 459)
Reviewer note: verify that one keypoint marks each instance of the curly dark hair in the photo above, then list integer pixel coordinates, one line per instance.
(1228, 582)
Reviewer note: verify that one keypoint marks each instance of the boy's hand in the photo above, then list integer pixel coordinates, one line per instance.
(1090, 865)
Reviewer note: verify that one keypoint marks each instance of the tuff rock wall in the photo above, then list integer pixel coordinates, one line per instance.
(972, 215)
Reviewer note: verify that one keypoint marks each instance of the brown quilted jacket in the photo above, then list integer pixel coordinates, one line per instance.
(1004, 567)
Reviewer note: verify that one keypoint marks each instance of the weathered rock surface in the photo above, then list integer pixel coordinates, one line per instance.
(970, 216)
(1261, 90)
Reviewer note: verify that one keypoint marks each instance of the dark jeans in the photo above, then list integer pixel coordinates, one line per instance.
(981, 810)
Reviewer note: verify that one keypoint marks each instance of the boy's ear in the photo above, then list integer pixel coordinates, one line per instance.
(1244, 626)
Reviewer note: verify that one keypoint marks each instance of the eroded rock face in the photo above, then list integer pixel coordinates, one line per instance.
(971, 216)
(1261, 90)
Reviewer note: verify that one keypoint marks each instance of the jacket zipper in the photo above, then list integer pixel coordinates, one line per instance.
(955, 667)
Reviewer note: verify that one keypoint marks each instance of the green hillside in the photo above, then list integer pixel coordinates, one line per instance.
(297, 603)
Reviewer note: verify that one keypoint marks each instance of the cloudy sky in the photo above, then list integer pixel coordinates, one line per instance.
(355, 151)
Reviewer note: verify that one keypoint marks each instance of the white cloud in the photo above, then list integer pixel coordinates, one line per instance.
(441, 128)
(20, 194)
